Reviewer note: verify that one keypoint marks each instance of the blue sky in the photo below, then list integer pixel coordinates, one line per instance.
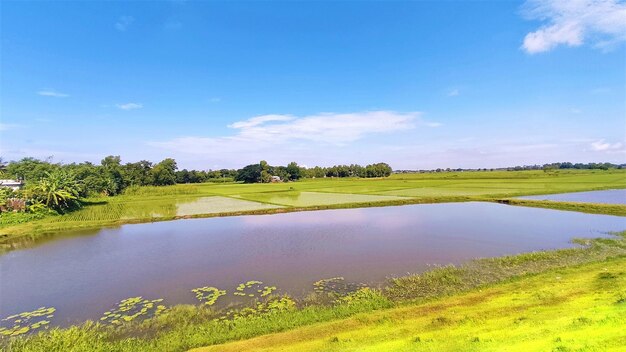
(225, 84)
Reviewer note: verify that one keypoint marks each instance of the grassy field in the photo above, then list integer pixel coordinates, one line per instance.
(215, 199)
(575, 309)
(565, 300)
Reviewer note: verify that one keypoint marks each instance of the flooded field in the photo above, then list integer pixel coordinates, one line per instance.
(231, 258)
(612, 196)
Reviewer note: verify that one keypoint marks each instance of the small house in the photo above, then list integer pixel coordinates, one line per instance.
(13, 184)
(276, 179)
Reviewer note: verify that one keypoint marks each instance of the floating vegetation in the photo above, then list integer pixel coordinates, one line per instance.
(270, 306)
(208, 294)
(362, 294)
(26, 322)
(253, 288)
(336, 286)
(132, 308)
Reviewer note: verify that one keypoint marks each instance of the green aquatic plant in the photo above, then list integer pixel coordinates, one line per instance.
(362, 294)
(208, 294)
(336, 286)
(270, 306)
(26, 321)
(132, 308)
(252, 288)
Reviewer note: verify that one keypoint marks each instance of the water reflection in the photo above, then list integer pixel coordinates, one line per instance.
(612, 196)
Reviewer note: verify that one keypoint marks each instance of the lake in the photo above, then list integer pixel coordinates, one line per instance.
(611, 196)
(87, 274)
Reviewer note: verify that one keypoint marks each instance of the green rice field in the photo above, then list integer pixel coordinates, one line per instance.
(219, 199)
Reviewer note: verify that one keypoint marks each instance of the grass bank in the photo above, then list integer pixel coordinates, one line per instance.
(591, 208)
(147, 204)
(474, 306)
(581, 308)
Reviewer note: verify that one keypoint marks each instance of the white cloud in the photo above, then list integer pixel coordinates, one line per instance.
(123, 23)
(52, 93)
(572, 22)
(601, 90)
(7, 126)
(603, 146)
(453, 92)
(215, 100)
(288, 137)
(259, 120)
(326, 127)
(129, 106)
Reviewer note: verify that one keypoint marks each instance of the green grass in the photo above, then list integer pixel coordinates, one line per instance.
(146, 204)
(573, 298)
(576, 309)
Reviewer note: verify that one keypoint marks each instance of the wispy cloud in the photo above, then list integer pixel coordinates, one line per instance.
(604, 146)
(8, 126)
(124, 22)
(52, 93)
(215, 100)
(259, 120)
(290, 135)
(453, 92)
(129, 106)
(572, 22)
(327, 127)
(600, 90)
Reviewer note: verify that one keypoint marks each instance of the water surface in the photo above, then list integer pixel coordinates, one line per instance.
(611, 196)
(84, 276)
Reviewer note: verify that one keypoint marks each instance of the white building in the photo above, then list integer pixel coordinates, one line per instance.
(13, 184)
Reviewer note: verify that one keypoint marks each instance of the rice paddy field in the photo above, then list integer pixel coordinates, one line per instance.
(211, 199)
(570, 299)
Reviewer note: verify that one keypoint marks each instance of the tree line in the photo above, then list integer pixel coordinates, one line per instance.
(111, 176)
(263, 172)
(59, 187)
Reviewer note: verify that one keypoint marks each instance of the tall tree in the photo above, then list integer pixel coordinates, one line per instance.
(266, 177)
(164, 173)
(294, 171)
(249, 174)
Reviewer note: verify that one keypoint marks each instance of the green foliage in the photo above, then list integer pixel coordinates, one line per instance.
(30, 169)
(249, 174)
(130, 309)
(22, 323)
(58, 190)
(208, 294)
(294, 172)
(164, 173)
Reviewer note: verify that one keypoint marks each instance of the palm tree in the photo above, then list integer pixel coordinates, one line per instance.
(57, 190)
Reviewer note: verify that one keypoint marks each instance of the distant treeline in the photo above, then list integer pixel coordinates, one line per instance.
(111, 177)
(546, 167)
(263, 172)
